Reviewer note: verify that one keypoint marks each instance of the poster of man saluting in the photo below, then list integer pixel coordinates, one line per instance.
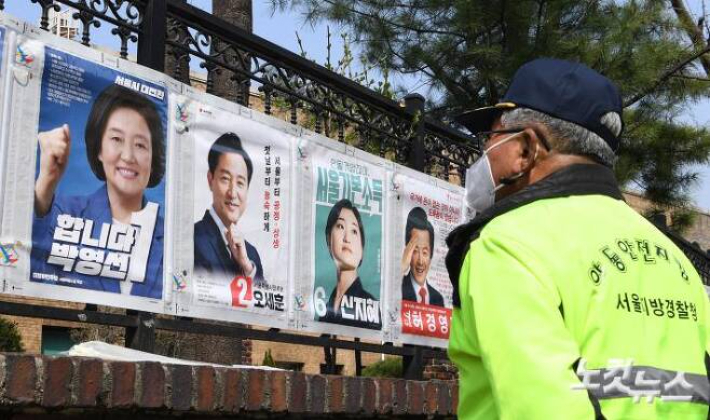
(241, 185)
(428, 209)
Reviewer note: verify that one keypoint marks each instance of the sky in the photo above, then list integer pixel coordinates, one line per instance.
(281, 27)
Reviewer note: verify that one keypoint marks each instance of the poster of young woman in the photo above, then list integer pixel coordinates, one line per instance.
(347, 213)
(241, 183)
(98, 212)
(427, 210)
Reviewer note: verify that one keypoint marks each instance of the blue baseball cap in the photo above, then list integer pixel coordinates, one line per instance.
(569, 91)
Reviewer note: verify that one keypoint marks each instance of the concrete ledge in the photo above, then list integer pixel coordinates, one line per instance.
(34, 386)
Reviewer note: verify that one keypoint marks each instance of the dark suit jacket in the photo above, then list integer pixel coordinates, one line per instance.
(435, 297)
(211, 253)
(334, 316)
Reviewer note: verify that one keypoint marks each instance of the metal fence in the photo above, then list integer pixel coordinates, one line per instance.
(174, 32)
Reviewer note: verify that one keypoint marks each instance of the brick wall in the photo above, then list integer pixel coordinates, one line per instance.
(311, 357)
(72, 387)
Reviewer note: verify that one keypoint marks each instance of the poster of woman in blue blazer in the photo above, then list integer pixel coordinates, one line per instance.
(99, 186)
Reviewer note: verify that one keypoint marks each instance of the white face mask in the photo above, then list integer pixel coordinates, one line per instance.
(480, 185)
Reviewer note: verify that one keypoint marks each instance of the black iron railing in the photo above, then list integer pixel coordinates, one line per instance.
(699, 258)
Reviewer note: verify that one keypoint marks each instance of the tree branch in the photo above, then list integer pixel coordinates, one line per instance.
(698, 79)
(694, 32)
(397, 25)
(665, 77)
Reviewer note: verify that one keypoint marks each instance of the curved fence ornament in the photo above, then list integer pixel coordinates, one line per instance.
(124, 15)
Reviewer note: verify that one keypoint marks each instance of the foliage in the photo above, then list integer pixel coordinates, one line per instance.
(468, 50)
(344, 66)
(268, 359)
(10, 338)
(391, 367)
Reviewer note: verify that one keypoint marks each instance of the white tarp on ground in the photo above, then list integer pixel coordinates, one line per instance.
(101, 350)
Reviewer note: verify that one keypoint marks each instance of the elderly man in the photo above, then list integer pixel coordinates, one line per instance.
(568, 304)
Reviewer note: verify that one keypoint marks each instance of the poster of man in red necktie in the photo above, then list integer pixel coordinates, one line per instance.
(427, 216)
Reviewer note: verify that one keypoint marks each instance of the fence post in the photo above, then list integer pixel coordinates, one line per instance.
(151, 53)
(151, 41)
(358, 360)
(414, 103)
(142, 337)
(413, 366)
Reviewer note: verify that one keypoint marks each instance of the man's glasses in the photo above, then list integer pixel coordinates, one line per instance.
(484, 136)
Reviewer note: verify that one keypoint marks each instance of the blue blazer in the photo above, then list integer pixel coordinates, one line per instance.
(94, 207)
(211, 253)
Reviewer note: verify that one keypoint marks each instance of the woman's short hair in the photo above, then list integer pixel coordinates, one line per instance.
(333, 218)
(115, 97)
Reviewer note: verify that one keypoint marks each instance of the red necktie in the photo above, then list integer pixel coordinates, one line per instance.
(422, 295)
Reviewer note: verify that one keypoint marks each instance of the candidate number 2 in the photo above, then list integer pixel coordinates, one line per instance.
(242, 292)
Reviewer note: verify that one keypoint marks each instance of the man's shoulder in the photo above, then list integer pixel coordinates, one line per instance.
(433, 291)
(572, 213)
(204, 225)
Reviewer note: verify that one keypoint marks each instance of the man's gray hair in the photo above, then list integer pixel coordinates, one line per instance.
(567, 137)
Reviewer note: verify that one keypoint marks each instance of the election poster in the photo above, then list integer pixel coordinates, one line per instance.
(3, 123)
(428, 209)
(98, 211)
(241, 204)
(347, 215)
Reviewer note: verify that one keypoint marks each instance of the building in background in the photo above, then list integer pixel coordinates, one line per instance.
(63, 24)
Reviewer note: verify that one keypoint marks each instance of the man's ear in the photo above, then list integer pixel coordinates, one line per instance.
(541, 135)
(209, 178)
(535, 144)
(524, 151)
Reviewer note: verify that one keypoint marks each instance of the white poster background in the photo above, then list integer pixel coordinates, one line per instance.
(268, 206)
(20, 163)
(443, 204)
(8, 28)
